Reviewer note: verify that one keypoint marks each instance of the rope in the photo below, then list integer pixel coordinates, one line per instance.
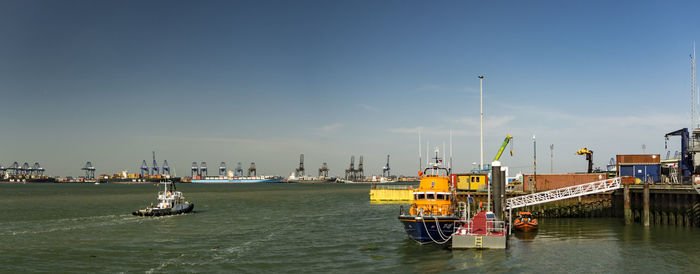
(431, 236)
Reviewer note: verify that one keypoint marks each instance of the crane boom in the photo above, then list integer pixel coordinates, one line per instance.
(589, 157)
(503, 147)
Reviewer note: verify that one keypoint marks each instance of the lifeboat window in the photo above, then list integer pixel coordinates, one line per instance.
(441, 196)
(477, 179)
(421, 196)
(431, 196)
(472, 179)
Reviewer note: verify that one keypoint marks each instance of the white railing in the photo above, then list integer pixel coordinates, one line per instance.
(563, 193)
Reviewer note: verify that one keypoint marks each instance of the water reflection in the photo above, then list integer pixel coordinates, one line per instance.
(525, 236)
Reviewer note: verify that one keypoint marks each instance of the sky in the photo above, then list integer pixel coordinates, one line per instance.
(265, 81)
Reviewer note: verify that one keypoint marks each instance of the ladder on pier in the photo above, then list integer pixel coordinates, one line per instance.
(563, 193)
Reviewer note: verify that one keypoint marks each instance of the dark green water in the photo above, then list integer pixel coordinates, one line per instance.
(296, 228)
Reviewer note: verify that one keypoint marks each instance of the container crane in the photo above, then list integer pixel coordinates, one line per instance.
(386, 169)
(300, 170)
(222, 169)
(239, 170)
(89, 171)
(589, 157)
(203, 169)
(154, 169)
(323, 171)
(144, 169)
(195, 169)
(503, 147)
(165, 168)
(252, 169)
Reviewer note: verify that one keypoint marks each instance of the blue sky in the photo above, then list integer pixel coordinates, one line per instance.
(263, 81)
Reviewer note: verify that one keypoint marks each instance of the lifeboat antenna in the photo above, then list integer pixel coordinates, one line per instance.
(420, 156)
(450, 151)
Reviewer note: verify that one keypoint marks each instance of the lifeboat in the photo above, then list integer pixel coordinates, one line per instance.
(431, 218)
(525, 221)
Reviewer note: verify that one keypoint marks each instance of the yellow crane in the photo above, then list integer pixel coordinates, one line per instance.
(589, 157)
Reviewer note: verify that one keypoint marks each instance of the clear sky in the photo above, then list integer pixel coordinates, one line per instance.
(263, 81)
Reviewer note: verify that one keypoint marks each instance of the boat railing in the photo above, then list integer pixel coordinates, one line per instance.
(496, 226)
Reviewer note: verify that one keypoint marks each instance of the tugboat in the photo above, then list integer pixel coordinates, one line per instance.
(170, 202)
(431, 218)
(525, 221)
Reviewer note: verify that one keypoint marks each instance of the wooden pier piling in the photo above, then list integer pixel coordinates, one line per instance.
(645, 215)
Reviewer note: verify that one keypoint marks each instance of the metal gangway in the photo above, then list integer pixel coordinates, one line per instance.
(563, 193)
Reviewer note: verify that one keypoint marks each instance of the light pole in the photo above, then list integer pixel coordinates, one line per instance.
(481, 120)
(534, 145)
(551, 156)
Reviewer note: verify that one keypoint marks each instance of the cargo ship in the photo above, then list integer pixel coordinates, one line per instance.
(27, 179)
(310, 180)
(236, 179)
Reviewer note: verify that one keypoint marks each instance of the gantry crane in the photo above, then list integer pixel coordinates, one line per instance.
(589, 157)
(300, 170)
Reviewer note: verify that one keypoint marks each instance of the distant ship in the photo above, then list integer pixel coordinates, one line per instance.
(308, 179)
(237, 179)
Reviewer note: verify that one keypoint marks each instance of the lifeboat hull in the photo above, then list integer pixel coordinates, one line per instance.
(429, 229)
(525, 225)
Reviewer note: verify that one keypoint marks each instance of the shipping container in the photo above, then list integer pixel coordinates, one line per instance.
(641, 172)
(554, 181)
(638, 159)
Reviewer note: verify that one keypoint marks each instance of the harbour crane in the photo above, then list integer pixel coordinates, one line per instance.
(203, 169)
(144, 169)
(239, 170)
(503, 147)
(386, 169)
(89, 171)
(252, 169)
(323, 171)
(222, 169)
(165, 168)
(300, 169)
(350, 173)
(38, 170)
(154, 169)
(360, 173)
(589, 157)
(14, 169)
(26, 169)
(195, 169)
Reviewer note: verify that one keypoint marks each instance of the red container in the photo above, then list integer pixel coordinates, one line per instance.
(638, 159)
(554, 181)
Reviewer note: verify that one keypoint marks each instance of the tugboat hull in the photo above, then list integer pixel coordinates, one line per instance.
(187, 208)
(427, 229)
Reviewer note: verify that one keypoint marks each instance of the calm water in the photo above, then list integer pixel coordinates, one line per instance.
(295, 228)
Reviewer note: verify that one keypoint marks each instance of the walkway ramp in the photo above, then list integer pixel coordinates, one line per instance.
(564, 193)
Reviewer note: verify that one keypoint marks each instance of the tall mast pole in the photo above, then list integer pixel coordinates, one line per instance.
(692, 87)
(481, 121)
(420, 157)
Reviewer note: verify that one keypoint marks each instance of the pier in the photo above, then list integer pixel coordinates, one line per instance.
(647, 204)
